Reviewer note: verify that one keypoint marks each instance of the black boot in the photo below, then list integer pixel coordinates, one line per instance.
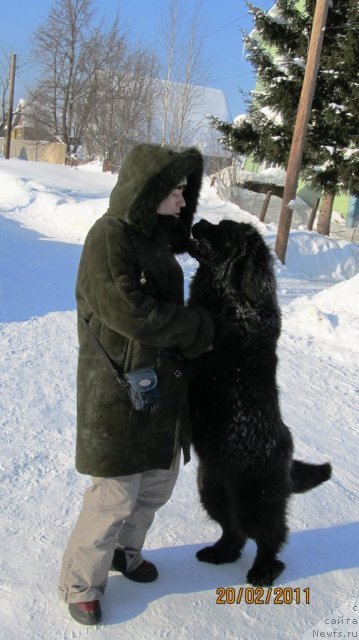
(146, 572)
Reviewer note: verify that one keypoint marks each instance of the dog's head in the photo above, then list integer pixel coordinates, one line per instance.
(237, 257)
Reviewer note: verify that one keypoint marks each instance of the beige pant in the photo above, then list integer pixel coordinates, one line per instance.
(116, 512)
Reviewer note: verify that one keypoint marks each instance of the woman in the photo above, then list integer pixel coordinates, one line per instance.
(130, 293)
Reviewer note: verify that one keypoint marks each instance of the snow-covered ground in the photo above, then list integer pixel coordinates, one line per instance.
(45, 212)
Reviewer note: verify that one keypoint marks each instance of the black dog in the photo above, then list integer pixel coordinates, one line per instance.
(246, 471)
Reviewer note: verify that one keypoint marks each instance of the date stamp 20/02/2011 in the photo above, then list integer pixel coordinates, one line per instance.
(259, 595)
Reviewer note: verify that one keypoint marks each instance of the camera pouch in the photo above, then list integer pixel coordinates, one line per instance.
(142, 389)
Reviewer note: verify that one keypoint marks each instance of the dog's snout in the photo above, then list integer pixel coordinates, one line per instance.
(200, 227)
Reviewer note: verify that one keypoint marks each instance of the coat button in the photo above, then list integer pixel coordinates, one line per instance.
(177, 373)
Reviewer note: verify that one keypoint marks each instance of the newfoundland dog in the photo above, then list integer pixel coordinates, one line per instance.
(246, 472)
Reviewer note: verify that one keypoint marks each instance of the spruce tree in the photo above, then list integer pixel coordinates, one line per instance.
(277, 48)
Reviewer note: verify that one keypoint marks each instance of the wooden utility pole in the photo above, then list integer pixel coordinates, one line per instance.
(301, 125)
(10, 106)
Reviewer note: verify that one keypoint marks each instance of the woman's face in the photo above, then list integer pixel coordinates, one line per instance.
(171, 206)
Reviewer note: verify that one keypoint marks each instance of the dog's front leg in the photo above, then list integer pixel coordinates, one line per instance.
(226, 549)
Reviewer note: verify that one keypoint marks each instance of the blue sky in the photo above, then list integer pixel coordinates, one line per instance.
(222, 23)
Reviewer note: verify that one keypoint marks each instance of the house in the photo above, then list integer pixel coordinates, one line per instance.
(29, 140)
(26, 125)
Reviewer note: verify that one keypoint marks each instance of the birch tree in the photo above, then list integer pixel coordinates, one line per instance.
(182, 72)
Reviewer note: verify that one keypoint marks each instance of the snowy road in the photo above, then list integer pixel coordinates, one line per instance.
(41, 492)
(42, 495)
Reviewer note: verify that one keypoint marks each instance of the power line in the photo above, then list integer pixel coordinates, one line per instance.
(348, 27)
(206, 35)
(243, 15)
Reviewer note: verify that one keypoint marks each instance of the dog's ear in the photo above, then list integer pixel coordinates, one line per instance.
(258, 276)
(251, 274)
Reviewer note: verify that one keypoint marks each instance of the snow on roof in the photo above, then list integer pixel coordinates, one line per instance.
(23, 114)
(240, 118)
(275, 15)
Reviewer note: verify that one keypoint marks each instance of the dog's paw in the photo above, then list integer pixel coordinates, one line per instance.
(217, 555)
(263, 575)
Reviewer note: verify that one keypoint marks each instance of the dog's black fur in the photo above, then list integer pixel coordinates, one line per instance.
(246, 471)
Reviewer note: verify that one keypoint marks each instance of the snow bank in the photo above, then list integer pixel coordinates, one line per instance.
(318, 257)
(60, 202)
(332, 317)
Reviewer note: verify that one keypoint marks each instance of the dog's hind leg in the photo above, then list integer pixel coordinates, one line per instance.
(271, 536)
(216, 500)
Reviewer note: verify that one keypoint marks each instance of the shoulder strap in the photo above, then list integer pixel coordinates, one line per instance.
(99, 348)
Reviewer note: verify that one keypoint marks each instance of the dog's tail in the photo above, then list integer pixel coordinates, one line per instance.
(305, 476)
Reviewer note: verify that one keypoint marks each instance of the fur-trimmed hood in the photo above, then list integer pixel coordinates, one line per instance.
(147, 176)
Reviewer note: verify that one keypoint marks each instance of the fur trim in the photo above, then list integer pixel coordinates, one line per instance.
(162, 169)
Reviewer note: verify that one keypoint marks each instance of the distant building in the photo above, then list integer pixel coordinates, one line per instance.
(179, 118)
(25, 124)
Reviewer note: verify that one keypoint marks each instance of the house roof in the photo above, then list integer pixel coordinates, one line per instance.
(22, 114)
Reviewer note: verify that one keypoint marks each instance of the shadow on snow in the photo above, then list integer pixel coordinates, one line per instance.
(37, 275)
(308, 553)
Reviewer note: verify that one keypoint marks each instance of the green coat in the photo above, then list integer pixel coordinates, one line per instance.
(138, 325)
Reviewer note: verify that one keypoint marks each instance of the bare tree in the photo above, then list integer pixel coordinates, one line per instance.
(140, 96)
(169, 40)
(105, 85)
(65, 48)
(183, 72)
(123, 102)
(93, 88)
